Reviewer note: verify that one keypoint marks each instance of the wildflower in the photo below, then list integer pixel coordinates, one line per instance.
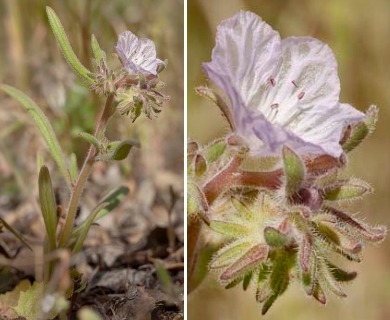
(138, 56)
(282, 92)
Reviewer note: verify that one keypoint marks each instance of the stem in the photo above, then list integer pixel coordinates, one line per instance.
(232, 176)
(84, 175)
(193, 242)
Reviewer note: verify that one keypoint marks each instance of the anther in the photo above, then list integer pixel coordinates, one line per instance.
(274, 106)
(272, 81)
(301, 95)
(294, 83)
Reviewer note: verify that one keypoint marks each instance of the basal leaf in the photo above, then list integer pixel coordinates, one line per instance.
(48, 205)
(44, 127)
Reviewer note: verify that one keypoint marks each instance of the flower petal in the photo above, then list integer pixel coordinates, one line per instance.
(245, 57)
(137, 55)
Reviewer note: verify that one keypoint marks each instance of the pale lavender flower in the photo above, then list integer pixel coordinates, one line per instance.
(282, 92)
(137, 55)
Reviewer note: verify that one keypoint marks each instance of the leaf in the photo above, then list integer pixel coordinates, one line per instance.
(114, 198)
(117, 150)
(97, 52)
(90, 139)
(361, 130)
(65, 46)
(14, 232)
(44, 127)
(347, 190)
(10, 299)
(86, 226)
(327, 277)
(294, 170)
(247, 280)
(30, 302)
(341, 275)
(48, 205)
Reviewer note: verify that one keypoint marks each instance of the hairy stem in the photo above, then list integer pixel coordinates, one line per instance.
(193, 238)
(84, 174)
(232, 176)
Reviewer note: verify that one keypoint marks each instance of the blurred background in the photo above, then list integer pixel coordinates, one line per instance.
(358, 31)
(32, 62)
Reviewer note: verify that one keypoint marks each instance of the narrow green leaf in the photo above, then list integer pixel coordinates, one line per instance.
(87, 225)
(113, 199)
(163, 275)
(65, 46)
(48, 205)
(44, 127)
(14, 232)
(347, 190)
(247, 280)
(339, 274)
(97, 52)
(234, 283)
(294, 170)
(268, 303)
(90, 139)
(327, 276)
(74, 171)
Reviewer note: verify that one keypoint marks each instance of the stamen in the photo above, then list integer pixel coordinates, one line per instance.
(294, 83)
(274, 106)
(272, 81)
(301, 95)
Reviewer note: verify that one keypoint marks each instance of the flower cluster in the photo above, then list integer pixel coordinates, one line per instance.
(271, 193)
(136, 85)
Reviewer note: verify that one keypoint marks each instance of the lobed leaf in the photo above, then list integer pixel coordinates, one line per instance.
(44, 127)
(65, 46)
